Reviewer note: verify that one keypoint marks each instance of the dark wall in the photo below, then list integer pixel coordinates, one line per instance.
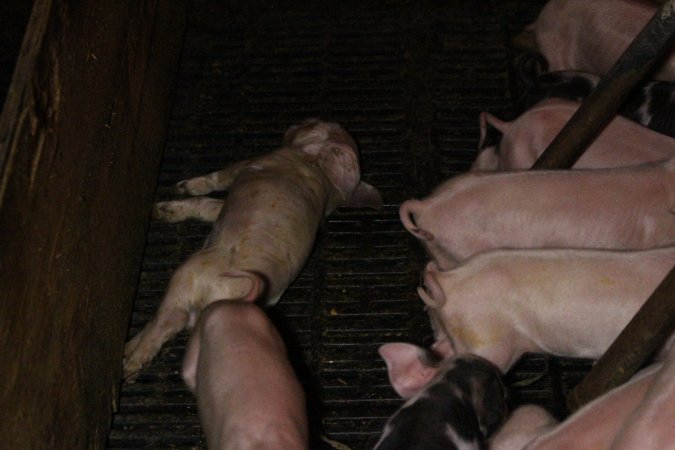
(81, 135)
(13, 19)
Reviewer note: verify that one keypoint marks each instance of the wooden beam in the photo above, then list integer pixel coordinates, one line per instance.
(81, 136)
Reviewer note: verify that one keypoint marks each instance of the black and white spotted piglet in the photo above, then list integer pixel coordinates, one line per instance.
(651, 103)
(455, 404)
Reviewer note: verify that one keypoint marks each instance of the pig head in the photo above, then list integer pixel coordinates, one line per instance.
(452, 404)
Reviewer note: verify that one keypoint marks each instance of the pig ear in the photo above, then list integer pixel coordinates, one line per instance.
(341, 165)
(431, 293)
(303, 131)
(409, 366)
(365, 196)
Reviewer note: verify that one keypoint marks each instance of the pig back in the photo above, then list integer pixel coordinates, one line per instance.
(621, 143)
(590, 36)
(271, 215)
(623, 208)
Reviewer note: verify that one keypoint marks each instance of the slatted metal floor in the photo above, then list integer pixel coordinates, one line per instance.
(408, 79)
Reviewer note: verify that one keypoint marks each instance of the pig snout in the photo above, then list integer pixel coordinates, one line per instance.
(407, 213)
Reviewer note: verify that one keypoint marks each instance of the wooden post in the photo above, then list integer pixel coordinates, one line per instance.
(81, 135)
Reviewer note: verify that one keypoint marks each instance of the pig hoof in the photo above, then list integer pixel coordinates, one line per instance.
(163, 211)
(180, 188)
(195, 186)
(131, 368)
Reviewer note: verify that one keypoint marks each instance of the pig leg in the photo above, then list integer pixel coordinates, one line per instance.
(184, 297)
(651, 426)
(248, 396)
(205, 209)
(215, 181)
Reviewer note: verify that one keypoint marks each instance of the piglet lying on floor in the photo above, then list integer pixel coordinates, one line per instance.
(263, 231)
(247, 393)
(454, 404)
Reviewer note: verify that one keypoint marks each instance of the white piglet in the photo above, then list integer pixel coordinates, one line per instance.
(620, 208)
(566, 302)
(622, 143)
(263, 232)
(591, 36)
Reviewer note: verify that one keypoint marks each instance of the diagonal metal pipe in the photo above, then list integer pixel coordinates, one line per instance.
(650, 327)
(599, 108)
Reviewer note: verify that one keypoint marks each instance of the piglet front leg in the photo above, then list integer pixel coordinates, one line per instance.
(247, 393)
(205, 209)
(214, 181)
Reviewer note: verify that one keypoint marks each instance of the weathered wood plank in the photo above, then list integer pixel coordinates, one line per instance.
(81, 136)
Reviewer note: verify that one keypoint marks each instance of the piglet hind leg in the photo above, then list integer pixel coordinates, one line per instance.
(185, 295)
(247, 393)
(143, 347)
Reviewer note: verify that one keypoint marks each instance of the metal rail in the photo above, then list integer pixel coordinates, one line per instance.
(656, 319)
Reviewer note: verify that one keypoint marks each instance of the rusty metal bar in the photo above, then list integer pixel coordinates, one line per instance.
(656, 319)
(599, 108)
(643, 335)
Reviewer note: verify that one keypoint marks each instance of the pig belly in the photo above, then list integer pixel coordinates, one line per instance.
(248, 396)
(591, 36)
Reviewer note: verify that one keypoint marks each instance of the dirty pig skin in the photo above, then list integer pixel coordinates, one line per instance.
(263, 231)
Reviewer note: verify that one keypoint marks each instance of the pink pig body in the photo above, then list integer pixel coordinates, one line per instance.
(651, 425)
(247, 393)
(592, 35)
(524, 424)
(592, 427)
(620, 208)
(566, 302)
(636, 415)
(622, 143)
(263, 231)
